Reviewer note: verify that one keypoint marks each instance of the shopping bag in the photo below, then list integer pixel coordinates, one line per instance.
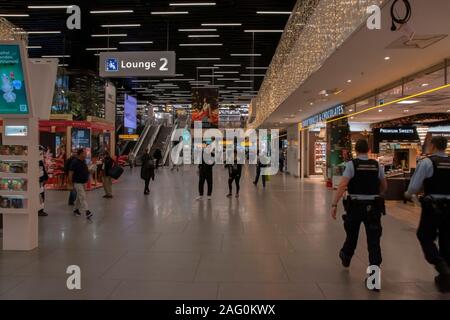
(115, 172)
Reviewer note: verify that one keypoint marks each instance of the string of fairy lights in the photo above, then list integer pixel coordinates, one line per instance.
(315, 30)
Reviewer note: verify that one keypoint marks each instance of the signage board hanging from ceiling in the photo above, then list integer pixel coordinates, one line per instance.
(137, 64)
(325, 115)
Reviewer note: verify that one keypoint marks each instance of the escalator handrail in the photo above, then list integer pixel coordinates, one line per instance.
(138, 146)
(153, 138)
(169, 144)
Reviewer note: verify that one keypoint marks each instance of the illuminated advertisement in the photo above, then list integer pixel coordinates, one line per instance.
(13, 96)
(129, 117)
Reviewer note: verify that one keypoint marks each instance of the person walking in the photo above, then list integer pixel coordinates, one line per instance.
(205, 173)
(67, 164)
(147, 170)
(43, 178)
(259, 167)
(365, 180)
(157, 155)
(108, 163)
(433, 175)
(78, 177)
(234, 174)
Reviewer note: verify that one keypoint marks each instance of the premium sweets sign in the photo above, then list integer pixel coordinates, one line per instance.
(13, 95)
(137, 64)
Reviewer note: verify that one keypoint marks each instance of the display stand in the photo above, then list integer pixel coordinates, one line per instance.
(19, 154)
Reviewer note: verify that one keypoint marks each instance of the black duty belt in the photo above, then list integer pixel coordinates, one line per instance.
(371, 205)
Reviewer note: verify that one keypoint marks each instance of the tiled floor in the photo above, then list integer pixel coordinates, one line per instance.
(278, 243)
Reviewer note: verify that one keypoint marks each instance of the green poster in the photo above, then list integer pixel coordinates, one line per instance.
(13, 95)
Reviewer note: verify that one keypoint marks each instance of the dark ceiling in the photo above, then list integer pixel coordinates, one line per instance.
(162, 30)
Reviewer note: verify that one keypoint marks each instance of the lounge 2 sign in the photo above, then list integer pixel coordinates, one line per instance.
(137, 64)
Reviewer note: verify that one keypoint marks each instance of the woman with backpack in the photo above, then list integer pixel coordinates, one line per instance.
(147, 170)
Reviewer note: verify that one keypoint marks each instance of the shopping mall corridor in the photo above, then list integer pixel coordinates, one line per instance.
(278, 243)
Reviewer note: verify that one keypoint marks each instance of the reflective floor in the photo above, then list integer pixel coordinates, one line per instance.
(277, 243)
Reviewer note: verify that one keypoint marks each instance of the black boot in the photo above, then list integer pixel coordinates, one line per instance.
(442, 281)
(346, 260)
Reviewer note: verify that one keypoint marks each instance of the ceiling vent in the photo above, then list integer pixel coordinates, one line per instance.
(417, 42)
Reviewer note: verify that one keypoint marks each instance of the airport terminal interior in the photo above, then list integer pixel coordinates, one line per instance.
(106, 105)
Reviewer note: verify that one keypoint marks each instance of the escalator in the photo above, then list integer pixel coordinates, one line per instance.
(147, 142)
(162, 141)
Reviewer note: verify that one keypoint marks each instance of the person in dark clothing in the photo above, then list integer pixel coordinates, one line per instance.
(433, 175)
(157, 155)
(365, 182)
(259, 166)
(78, 177)
(282, 160)
(147, 171)
(43, 177)
(108, 163)
(67, 164)
(205, 172)
(234, 174)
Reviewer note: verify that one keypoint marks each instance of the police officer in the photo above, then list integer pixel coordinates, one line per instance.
(433, 174)
(365, 181)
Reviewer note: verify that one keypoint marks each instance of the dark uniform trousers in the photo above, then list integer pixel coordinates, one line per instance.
(435, 225)
(363, 212)
(206, 175)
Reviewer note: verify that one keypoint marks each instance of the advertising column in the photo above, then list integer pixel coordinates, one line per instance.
(19, 154)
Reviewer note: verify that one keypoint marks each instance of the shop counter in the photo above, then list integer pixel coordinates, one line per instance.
(397, 185)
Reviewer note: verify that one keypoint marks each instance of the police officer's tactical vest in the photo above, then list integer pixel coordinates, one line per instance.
(439, 183)
(366, 180)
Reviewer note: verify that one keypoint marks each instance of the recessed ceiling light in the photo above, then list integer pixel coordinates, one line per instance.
(135, 42)
(197, 30)
(131, 25)
(109, 35)
(387, 58)
(14, 15)
(203, 36)
(227, 65)
(110, 11)
(245, 55)
(349, 81)
(49, 7)
(169, 12)
(406, 110)
(274, 12)
(350, 110)
(311, 103)
(408, 102)
(263, 31)
(221, 24)
(100, 49)
(380, 110)
(425, 84)
(200, 44)
(56, 56)
(39, 32)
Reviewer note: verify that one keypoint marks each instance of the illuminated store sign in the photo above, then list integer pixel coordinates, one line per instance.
(325, 115)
